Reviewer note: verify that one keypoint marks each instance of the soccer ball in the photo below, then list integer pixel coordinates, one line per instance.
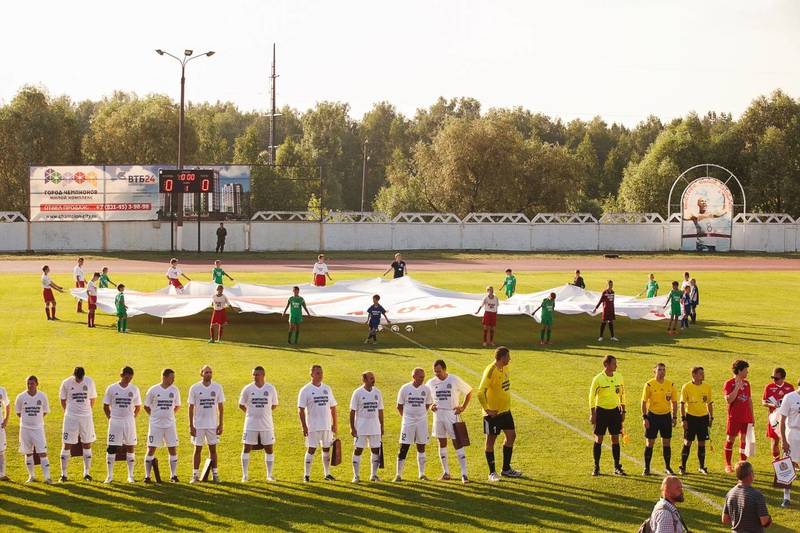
(380, 327)
(395, 328)
(409, 329)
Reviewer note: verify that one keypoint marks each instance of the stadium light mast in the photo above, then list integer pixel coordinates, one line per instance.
(364, 172)
(187, 56)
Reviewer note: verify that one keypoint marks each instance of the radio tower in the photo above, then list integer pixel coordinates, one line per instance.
(273, 112)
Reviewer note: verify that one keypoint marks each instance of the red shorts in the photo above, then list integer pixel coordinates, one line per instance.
(92, 303)
(607, 317)
(219, 317)
(771, 432)
(48, 295)
(489, 319)
(80, 284)
(175, 282)
(319, 280)
(736, 428)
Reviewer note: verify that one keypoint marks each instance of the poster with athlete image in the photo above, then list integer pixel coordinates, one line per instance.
(706, 216)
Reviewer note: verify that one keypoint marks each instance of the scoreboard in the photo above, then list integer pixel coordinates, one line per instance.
(186, 181)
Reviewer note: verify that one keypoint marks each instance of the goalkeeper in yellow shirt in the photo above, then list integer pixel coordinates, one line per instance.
(607, 412)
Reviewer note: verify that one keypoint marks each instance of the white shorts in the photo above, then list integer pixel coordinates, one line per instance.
(2, 440)
(254, 437)
(122, 432)
(443, 420)
(160, 437)
(317, 438)
(78, 427)
(361, 441)
(32, 439)
(205, 436)
(414, 432)
(793, 436)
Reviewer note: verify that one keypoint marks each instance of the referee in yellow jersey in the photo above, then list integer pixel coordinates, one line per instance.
(697, 415)
(659, 415)
(494, 394)
(607, 411)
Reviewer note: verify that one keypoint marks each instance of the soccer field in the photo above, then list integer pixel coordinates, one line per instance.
(748, 315)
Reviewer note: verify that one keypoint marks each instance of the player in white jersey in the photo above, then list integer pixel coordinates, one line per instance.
(219, 317)
(80, 280)
(320, 274)
(121, 405)
(790, 431)
(78, 395)
(206, 399)
(447, 391)
(48, 286)
(317, 409)
(413, 401)
(5, 412)
(31, 407)
(366, 424)
(258, 399)
(174, 275)
(161, 402)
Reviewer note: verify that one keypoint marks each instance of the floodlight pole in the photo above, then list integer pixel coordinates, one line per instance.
(364, 172)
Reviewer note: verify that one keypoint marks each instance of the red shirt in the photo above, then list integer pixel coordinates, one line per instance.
(777, 392)
(607, 299)
(739, 410)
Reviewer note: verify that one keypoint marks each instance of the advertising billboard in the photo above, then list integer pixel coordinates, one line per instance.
(706, 216)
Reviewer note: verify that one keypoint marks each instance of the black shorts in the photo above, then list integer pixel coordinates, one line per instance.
(659, 425)
(493, 425)
(607, 420)
(696, 426)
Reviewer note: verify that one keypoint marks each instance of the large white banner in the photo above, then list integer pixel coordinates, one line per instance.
(706, 216)
(67, 193)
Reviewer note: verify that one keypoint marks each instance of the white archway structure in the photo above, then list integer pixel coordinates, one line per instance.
(708, 167)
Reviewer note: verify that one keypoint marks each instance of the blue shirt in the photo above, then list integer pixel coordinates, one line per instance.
(375, 311)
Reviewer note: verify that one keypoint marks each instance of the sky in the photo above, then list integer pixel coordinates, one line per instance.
(621, 60)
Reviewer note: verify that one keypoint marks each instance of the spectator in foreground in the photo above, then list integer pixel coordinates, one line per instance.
(745, 509)
(665, 517)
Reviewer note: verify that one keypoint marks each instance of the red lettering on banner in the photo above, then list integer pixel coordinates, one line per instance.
(438, 306)
(356, 313)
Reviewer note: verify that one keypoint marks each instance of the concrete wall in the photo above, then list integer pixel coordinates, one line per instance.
(302, 236)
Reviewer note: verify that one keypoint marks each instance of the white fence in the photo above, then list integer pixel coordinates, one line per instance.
(303, 231)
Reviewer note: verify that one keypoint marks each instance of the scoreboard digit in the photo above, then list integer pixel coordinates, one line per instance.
(186, 181)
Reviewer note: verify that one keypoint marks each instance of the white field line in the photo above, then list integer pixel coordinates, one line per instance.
(711, 503)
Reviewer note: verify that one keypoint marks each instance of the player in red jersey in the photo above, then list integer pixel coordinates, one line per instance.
(740, 410)
(773, 396)
(607, 299)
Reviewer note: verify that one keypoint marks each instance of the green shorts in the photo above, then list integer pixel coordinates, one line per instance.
(122, 315)
(675, 311)
(547, 321)
(509, 293)
(295, 320)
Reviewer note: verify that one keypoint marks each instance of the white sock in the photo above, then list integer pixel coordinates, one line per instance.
(443, 460)
(29, 465)
(110, 459)
(787, 494)
(356, 464)
(87, 462)
(376, 463)
(173, 465)
(131, 463)
(214, 471)
(245, 464)
(45, 464)
(2, 464)
(148, 464)
(195, 472)
(400, 464)
(421, 463)
(269, 459)
(307, 464)
(462, 460)
(64, 461)
(326, 462)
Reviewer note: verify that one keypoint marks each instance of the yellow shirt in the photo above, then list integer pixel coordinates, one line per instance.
(659, 396)
(696, 398)
(607, 392)
(494, 390)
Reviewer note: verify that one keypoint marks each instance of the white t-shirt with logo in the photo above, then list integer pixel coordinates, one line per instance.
(320, 269)
(46, 283)
(162, 403)
(122, 400)
(32, 409)
(366, 404)
(490, 304)
(447, 392)
(78, 395)
(259, 402)
(317, 401)
(219, 301)
(205, 401)
(77, 273)
(174, 272)
(415, 402)
(790, 409)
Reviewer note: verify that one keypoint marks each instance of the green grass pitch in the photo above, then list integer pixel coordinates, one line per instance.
(743, 314)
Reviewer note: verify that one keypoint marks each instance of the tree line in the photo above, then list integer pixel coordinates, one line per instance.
(449, 157)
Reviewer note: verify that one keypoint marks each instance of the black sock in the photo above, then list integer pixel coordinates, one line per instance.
(648, 455)
(597, 449)
(490, 462)
(701, 456)
(685, 454)
(615, 452)
(611, 328)
(602, 328)
(507, 451)
(667, 455)
(290, 337)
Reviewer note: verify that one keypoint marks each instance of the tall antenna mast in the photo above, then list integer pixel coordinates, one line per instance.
(273, 112)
